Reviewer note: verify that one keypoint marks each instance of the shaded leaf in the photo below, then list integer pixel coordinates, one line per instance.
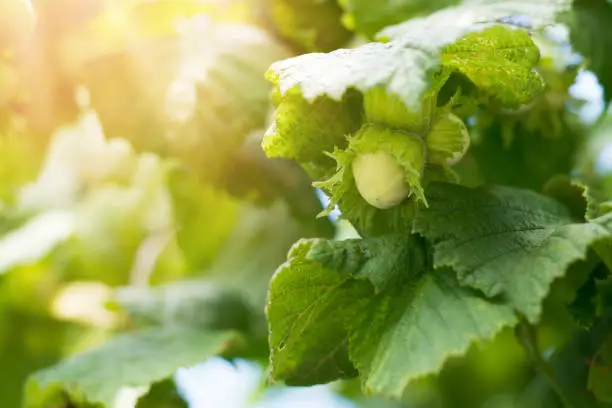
(506, 241)
(586, 306)
(189, 303)
(570, 369)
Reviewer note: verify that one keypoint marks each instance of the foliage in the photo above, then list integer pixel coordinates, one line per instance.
(119, 368)
(157, 165)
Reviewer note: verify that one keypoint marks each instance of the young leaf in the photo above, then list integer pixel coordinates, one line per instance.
(131, 362)
(506, 241)
(488, 56)
(303, 130)
(401, 320)
(404, 66)
(402, 71)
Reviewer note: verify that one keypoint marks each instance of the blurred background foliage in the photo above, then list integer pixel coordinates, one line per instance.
(134, 192)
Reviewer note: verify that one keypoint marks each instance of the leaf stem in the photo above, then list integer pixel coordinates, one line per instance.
(527, 336)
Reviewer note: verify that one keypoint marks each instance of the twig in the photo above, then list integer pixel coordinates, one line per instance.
(526, 334)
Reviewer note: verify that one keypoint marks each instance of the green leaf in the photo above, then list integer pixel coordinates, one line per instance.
(303, 129)
(604, 250)
(316, 113)
(509, 144)
(591, 36)
(571, 193)
(506, 241)
(400, 319)
(307, 309)
(488, 56)
(381, 261)
(597, 199)
(368, 17)
(587, 306)
(308, 25)
(127, 363)
(318, 94)
(587, 200)
(404, 65)
(190, 303)
(410, 333)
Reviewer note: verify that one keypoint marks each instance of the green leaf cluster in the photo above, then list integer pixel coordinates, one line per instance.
(158, 159)
(440, 265)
